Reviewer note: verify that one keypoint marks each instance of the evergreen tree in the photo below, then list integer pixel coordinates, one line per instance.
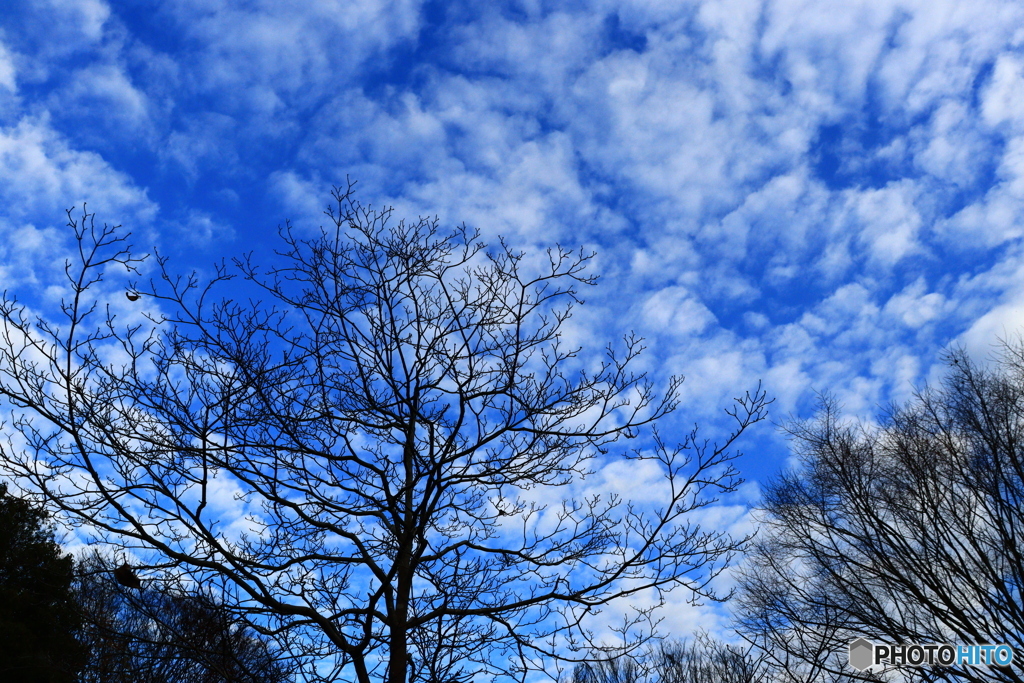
(38, 617)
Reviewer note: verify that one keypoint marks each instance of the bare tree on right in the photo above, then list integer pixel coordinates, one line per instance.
(908, 532)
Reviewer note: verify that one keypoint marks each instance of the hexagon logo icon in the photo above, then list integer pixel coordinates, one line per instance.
(862, 653)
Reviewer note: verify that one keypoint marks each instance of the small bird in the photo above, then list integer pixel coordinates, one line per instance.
(132, 296)
(126, 577)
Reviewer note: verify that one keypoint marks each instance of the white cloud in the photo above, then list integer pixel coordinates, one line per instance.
(1001, 322)
(997, 217)
(673, 311)
(41, 175)
(261, 58)
(887, 221)
(8, 79)
(913, 306)
(302, 199)
(64, 27)
(952, 149)
(828, 51)
(199, 144)
(106, 91)
(1001, 103)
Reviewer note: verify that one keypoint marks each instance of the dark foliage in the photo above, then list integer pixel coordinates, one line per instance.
(37, 612)
(155, 635)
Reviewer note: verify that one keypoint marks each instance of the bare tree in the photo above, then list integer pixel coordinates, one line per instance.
(381, 422)
(905, 533)
(163, 635)
(707, 660)
(701, 659)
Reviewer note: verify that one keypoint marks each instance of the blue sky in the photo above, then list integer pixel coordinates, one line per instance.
(819, 195)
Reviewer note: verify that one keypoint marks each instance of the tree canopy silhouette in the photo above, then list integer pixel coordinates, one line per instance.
(908, 532)
(165, 634)
(38, 617)
(701, 659)
(394, 416)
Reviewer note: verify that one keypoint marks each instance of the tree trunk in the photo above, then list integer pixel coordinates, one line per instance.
(398, 662)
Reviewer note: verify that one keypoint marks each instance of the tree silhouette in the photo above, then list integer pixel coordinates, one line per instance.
(395, 425)
(37, 611)
(905, 533)
(701, 659)
(165, 635)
